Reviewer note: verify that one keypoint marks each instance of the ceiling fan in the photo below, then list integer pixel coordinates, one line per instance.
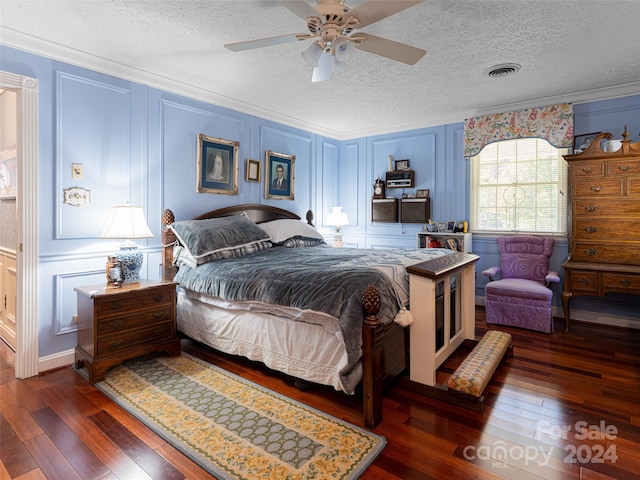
(331, 26)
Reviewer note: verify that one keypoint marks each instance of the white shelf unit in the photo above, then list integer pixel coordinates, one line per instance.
(462, 239)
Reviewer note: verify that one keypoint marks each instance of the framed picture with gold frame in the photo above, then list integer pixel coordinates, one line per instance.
(252, 173)
(217, 165)
(279, 175)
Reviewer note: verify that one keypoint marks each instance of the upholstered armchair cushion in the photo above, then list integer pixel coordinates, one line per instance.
(525, 256)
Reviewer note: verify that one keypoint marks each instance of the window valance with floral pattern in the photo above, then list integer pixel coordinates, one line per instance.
(553, 123)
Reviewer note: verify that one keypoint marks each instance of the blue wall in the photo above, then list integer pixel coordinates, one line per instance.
(138, 144)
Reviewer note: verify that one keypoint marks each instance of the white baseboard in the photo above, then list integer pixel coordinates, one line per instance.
(57, 360)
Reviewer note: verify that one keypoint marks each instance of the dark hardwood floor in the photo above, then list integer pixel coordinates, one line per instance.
(566, 406)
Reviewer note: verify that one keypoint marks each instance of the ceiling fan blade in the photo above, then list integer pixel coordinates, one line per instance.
(373, 11)
(267, 42)
(390, 49)
(300, 8)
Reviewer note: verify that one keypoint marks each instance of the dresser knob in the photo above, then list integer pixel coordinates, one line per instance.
(116, 305)
(591, 208)
(158, 315)
(625, 168)
(117, 323)
(117, 343)
(591, 229)
(626, 282)
(158, 297)
(591, 251)
(597, 188)
(584, 281)
(587, 169)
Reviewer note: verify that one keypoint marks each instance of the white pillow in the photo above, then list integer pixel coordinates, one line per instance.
(286, 228)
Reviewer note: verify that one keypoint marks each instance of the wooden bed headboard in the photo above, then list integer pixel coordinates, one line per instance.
(256, 212)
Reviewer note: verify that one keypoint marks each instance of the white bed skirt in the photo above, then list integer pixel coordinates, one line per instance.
(302, 350)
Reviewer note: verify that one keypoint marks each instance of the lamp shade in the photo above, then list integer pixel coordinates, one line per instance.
(337, 218)
(126, 222)
(312, 54)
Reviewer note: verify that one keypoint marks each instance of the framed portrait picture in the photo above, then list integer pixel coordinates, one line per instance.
(279, 176)
(217, 165)
(422, 193)
(582, 142)
(402, 165)
(252, 171)
(451, 224)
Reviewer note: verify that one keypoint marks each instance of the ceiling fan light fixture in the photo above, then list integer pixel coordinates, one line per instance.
(323, 71)
(343, 49)
(311, 55)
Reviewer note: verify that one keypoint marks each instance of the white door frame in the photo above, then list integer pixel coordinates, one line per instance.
(26, 88)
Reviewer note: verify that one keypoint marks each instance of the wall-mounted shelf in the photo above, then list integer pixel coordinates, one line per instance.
(460, 242)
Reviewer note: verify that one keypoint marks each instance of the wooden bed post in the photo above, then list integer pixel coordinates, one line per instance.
(371, 358)
(168, 239)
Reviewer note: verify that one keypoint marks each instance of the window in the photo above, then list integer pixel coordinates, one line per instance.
(519, 186)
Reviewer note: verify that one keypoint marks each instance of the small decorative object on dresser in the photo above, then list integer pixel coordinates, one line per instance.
(118, 324)
(605, 191)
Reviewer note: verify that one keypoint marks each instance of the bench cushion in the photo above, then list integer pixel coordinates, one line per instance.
(475, 371)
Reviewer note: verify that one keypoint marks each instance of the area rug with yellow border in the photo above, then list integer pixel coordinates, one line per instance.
(236, 429)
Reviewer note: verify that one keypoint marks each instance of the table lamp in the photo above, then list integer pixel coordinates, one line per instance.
(337, 218)
(128, 222)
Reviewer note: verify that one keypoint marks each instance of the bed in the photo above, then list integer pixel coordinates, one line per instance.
(257, 281)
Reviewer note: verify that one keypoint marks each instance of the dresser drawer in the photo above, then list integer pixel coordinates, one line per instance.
(591, 230)
(623, 167)
(125, 303)
(619, 253)
(599, 186)
(606, 207)
(621, 282)
(587, 169)
(633, 187)
(584, 281)
(110, 325)
(115, 343)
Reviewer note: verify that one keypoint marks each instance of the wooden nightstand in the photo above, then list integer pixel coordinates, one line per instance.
(116, 324)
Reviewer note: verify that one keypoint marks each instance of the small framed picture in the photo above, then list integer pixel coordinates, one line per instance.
(422, 193)
(217, 165)
(442, 227)
(451, 225)
(402, 165)
(279, 176)
(582, 142)
(252, 171)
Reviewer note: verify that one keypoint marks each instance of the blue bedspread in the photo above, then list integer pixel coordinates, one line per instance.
(321, 278)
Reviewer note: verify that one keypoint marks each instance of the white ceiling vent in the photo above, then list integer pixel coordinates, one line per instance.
(502, 70)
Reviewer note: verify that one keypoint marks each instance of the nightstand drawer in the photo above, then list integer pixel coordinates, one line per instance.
(127, 302)
(109, 325)
(115, 343)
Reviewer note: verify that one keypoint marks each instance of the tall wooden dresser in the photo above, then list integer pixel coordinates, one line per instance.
(604, 240)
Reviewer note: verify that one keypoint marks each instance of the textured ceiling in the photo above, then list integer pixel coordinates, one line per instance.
(569, 51)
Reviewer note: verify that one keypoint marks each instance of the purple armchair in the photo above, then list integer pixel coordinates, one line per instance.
(522, 297)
